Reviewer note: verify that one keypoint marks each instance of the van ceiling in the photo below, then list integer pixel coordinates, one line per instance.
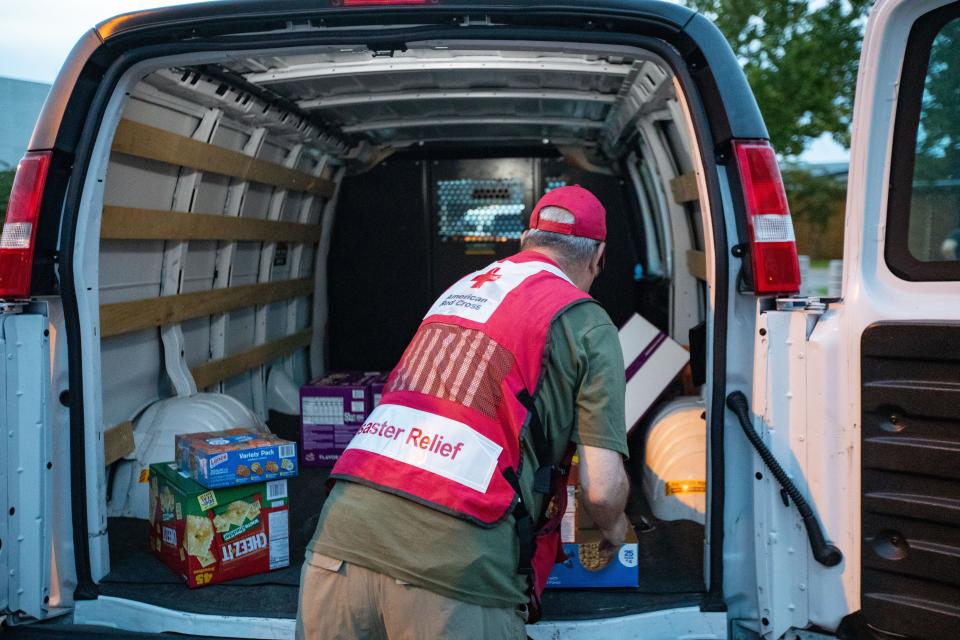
(530, 94)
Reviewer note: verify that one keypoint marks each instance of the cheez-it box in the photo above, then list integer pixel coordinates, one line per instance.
(214, 535)
(332, 409)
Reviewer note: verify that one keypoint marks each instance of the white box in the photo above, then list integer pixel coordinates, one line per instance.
(652, 360)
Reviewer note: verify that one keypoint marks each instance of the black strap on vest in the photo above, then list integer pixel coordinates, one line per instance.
(524, 523)
(526, 527)
(541, 448)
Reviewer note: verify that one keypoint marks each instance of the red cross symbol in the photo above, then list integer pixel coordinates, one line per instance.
(484, 278)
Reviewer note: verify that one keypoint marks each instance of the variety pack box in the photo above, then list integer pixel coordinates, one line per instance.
(213, 535)
(236, 456)
(586, 565)
(332, 410)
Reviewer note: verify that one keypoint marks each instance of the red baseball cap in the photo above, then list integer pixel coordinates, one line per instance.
(589, 216)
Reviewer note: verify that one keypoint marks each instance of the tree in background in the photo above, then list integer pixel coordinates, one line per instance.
(6, 181)
(938, 146)
(800, 58)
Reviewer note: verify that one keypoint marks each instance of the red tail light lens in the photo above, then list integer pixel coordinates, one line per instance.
(20, 228)
(773, 246)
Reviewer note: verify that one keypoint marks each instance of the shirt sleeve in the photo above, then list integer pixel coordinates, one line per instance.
(599, 419)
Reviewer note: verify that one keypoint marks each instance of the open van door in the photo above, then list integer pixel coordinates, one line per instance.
(901, 318)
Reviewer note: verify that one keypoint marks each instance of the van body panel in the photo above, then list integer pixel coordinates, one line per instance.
(686, 622)
(896, 590)
(26, 479)
(794, 403)
(199, 16)
(717, 106)
(736, 526)
(48, 132)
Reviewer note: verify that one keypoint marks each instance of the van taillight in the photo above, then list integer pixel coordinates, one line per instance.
(20, 228)
(773, 247)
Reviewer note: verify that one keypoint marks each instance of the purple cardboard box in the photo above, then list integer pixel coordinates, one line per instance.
(332, 409)
(377, 383)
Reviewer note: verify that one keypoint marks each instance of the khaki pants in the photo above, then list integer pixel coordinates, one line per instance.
(348, 602)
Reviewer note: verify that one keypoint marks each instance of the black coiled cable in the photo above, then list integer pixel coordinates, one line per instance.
(824, 552)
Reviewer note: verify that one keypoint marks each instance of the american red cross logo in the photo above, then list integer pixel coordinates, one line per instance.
(484, 278)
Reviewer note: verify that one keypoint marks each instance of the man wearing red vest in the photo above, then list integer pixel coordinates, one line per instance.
(443, 522)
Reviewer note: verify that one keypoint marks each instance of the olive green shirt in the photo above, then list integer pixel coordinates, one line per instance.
(580, 399)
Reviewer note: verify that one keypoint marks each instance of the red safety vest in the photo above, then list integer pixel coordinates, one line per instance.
(447, 431)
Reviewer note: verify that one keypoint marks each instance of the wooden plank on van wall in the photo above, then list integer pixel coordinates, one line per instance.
(117, 442)
(126, 223)
(210, 373)
(697, 264)
(684, 188)
(123, 317)
(144, 141)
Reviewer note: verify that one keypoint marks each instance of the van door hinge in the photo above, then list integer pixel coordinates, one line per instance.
(476, 21)
(802, 304)
(12, 307)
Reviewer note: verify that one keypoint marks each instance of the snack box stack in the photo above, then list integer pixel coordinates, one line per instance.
(586, 565)
(234, 457)
(213, 535)
(332, 410)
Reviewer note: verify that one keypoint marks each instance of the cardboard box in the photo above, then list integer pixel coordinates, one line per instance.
(377, 383)
(233, 457)
(214, 535)
(572, 574)
(652, 361)
(332, 410)
(580, 539)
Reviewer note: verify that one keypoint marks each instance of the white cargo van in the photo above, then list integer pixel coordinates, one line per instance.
(223, 201)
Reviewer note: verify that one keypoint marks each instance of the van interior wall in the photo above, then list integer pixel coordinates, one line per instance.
(389, 258)
(147, 279)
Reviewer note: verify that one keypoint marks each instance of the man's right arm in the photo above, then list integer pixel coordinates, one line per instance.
(604, 490)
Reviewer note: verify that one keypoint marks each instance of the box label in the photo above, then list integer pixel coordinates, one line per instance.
(323, 411)
(628, 555)
(279, 527)
(207, 500)
(276, 489)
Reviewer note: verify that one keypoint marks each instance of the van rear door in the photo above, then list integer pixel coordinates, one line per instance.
(901, 318)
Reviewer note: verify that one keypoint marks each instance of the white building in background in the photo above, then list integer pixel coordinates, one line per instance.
(20, 102)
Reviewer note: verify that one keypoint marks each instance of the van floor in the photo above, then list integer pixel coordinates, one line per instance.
(670, 567)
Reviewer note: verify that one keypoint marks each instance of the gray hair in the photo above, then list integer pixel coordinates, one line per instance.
(573, 250)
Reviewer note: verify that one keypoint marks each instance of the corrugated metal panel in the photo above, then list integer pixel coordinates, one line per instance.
(911, 479)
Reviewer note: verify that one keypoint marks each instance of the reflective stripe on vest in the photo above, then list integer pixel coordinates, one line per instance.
(449, 421)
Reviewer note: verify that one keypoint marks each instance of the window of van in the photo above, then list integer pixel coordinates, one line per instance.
(923, 239)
